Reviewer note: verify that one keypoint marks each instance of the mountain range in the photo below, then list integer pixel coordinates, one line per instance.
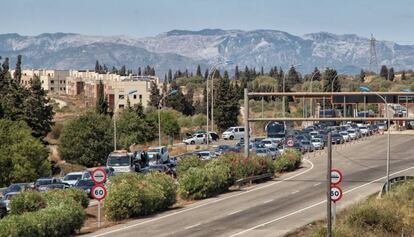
(182, 49)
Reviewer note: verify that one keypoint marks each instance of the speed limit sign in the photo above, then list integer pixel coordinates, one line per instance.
(98, 192)
(290, 142)
(336, 193)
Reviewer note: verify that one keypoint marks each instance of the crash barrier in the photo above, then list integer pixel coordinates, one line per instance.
(241, 182)
(393, 182)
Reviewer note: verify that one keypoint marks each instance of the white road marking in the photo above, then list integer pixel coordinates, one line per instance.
(207, 203)
(232, 213)
(295, 192)
(268, 201)
(316, 184)
(314, 205)
(192, 226)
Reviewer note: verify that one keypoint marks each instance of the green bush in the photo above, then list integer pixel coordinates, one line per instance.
(28, 201)
(186, 163)
(136, 195)
(290, 160)
(53, 221)
(198, 183)
(55, 197)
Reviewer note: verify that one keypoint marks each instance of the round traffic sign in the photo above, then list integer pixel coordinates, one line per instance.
(336, 193)
(336, 176)
(99, 176)
(98, 192)
(290, 142)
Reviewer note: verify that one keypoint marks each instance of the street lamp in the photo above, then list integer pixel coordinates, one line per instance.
(284, 79)
(212, 72)
(171, 92)
(366, 89)
(131, 92)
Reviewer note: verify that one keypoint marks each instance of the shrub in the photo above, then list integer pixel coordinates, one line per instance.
(198, 183)
(133, 195)
(56, 197)
(28, 201)
(290, 160)
(60, 220)
(186, 163)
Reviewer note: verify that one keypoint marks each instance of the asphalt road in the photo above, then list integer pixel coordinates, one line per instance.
(283, 204)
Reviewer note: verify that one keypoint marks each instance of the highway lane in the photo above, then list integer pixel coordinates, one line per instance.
(278, 206)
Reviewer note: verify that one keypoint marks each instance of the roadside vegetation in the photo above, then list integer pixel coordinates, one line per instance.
(389, 216)
(56, 213)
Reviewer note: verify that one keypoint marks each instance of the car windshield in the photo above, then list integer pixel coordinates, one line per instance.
(154, 151)
(204, 154)
(363, 127)
(85, 183)
(229, 130)
(118, 161)
(14, 188)
(267, 142)
(70, 177)
(316, 140)
(344, 133)
(305, 142)
(351, 131)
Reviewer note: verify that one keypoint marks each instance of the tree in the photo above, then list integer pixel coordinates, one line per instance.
(226, 104)
(18, 72)
(134, 128)
(329, 76)
(87, 140)
(155, 95)
(403, 76)
(316, 74)
(261, 71)
(122, 71)
(178, 101)
(139, 71)
(37, 110)
(101, 102)
(170, 77)
(384, 72)
(97, 67)
(22, 157)
(391, 74)
(362, 76)
(198, 72)
(236, 73)
(206, 74)
(292, 79)
(169, 121)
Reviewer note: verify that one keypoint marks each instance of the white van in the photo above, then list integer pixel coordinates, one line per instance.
(234, 133)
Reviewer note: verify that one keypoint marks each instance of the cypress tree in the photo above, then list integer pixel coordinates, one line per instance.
(198, 71)
(97, 66)
(316, 74)
(391, 74)
(403, 76)
(226, 106)
(362, 76)
(155, 95)
(384, 72)
(236, 73)
(139, 71)
(101, 102)
(292, 79)
(261, 71)
(206, 74)
(170, 76)
(18, 72)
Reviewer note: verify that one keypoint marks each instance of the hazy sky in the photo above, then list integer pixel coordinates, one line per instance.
(386, 19)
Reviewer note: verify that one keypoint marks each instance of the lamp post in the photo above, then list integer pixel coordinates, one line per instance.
(366, 89)
(172, 92)
(129, 93)
(212, 72)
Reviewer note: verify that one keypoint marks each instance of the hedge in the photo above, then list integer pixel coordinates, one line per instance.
(57, 219)
(28, 201)
(136, 195)
(290, 160)
(189, 162)
(55, 197)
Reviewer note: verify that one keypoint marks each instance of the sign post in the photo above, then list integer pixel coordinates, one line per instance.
(99, 191)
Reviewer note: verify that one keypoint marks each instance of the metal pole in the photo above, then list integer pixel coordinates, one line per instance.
(212, 102)
(283, 98)
(207, 111)
(388, 145)
(324, 106)
(114, 130)
(262, 105)
(328, 187)
(333, 213)
(365, 105)
(344, 106)
(99, 213)
(246, 124)
(159, 124)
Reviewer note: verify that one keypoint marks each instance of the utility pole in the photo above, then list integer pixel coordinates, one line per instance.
(246, 124)
(328, 187)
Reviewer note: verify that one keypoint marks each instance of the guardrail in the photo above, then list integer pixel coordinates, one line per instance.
(394, 181)
(249, 180)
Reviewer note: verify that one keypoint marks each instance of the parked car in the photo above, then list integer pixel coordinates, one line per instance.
(233, 133)
(17, 187)
(222, 149)
(163, 168)
(274, 152)
(364, 130)
(73, 177)
(352, 134)
(198, 138)
(5, 203)
(307, 145)
(158, 154)
(85, 185)
(270, 142)
(263, 152)
(317, 143)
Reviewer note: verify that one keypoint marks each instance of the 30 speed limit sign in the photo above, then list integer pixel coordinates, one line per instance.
(336, 193)
(98, 192)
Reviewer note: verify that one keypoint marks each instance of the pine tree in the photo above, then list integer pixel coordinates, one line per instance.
(391, 74)
(122, 71)
(236, 73)
(105, 69)
(198, 71)
(261, 71)
(101, 102)
(292, 79)
(139, 71)
(97, 66)
(328, 76)
(316, 74)
(226, 104)
(17, 75)
(170, 76)
(362, 76)
(155, 95)
(384, 72)
(206, 74)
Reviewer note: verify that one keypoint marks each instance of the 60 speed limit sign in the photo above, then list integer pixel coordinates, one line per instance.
(98, 192)
(336, 193)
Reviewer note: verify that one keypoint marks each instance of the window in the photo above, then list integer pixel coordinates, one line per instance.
(241, 129)
(52, 82)
(121, 106)
(135, 96)
(140, 98)
(121, 97)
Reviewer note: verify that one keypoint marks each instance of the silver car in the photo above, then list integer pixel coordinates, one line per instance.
(317, 143)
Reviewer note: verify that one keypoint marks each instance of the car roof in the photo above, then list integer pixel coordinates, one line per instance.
(75, 173)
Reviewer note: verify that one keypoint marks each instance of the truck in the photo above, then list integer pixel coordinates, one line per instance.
(158, 155)
(121, 161)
